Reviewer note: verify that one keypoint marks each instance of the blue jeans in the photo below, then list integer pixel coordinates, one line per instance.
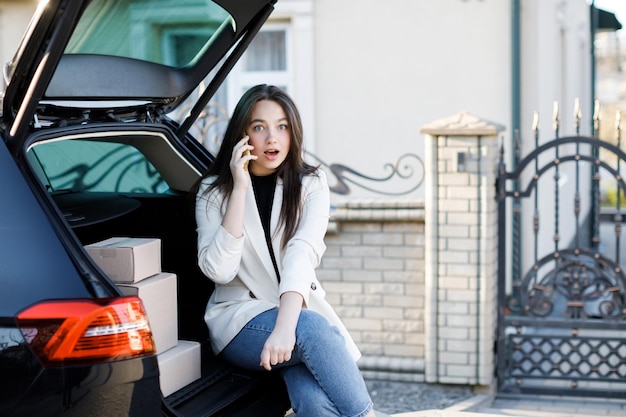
(321, 377)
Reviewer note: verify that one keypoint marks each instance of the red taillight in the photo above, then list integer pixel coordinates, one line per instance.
(87, 330)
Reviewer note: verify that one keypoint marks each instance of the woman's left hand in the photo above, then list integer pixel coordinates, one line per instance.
(279, 345)
(278, 348)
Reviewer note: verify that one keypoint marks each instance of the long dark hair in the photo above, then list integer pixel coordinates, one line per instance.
(291, 171)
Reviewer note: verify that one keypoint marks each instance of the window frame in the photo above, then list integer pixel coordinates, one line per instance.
(240, 80)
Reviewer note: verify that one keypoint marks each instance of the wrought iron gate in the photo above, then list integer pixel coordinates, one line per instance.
(561, 286)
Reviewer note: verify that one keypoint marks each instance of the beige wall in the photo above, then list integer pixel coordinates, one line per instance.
(373, 274)
(556, 67)
(384, 69)
(14, 17)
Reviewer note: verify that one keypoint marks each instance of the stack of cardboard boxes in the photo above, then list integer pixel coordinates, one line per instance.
(134, 264)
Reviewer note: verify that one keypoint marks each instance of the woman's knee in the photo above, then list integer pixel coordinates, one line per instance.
(314, 327)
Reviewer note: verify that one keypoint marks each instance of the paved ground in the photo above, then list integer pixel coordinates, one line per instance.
(402, 397)
(410, 399)
(555, 407)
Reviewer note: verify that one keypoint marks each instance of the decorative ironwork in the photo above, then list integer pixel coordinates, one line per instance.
(561, 324)
(209, 126)
(579, 284)
(409, 169)
(569, 361)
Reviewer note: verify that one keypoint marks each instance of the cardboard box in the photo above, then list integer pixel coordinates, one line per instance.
(179, 366)
(127, 259)
(159, 297)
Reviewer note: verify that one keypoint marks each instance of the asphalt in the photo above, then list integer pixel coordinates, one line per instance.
(412, 399)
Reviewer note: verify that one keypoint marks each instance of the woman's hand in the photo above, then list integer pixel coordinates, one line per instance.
(233, 217)
(278, 347)
(239, 163)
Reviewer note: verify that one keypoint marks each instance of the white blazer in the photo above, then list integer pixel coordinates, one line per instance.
(245, 281)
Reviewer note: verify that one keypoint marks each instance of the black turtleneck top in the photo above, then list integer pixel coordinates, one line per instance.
(264, 188)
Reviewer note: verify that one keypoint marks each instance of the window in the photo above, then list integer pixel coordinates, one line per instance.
(141, 30)
(270, 59)
(267, 61)
(267, 52)
(87, 165)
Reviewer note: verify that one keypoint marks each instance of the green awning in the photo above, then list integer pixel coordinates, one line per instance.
(607, 21)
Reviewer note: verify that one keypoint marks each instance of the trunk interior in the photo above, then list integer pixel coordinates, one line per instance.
(222, 390)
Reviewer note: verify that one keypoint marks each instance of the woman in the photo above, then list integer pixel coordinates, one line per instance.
(262, 213)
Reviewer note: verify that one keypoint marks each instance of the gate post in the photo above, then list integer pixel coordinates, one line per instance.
(461, 157)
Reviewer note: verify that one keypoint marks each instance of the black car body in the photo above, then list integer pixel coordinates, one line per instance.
(90, 151)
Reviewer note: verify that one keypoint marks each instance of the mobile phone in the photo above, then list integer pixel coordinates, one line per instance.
(245, 153)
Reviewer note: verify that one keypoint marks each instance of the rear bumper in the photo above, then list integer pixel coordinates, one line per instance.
(118, 389)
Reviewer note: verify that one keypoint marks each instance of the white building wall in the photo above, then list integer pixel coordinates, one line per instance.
(14, 17)
(556, 66)
(384, 69)
(556, 60)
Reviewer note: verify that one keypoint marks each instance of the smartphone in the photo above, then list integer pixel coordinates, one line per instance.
(246, 152)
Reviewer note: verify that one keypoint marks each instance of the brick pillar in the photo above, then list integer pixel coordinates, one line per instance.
(461, 153)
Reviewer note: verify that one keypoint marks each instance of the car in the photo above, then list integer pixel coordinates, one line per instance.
(95, 146)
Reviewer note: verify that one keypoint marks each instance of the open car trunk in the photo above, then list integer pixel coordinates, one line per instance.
(128, 192)
(91, 116)
(222, 389)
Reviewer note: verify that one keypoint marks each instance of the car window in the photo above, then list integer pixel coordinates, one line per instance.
(165, 32)
(89, 165)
